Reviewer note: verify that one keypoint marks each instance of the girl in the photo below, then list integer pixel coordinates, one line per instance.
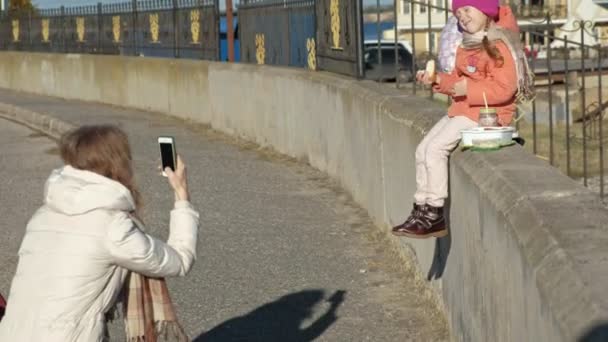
(83, 247)
(489, 60)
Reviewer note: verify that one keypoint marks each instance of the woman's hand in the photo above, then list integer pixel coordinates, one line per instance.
(178, 180)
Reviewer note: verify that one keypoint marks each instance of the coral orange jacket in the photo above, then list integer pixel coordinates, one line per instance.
(483, 75)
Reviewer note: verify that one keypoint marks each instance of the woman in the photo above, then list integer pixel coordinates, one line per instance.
(83, 246)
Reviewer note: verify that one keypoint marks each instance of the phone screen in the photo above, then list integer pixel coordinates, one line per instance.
(166, 153)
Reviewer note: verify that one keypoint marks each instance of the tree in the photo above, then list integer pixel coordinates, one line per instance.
(20, 5)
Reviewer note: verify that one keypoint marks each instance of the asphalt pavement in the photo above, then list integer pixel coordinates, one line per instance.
(284, 254)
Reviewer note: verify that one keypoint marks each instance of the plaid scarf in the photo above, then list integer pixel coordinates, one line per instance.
(148, 311)
(525, 77)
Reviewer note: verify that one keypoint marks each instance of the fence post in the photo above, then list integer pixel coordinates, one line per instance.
(29, 28)
(396, 33)
(600, 119)
(230, 30)
(360, 38)
(567, 89)
(412, 31)
(583, 101)
(175, 30)
(201, 23)
(99, 28)
(379, 35)
(431, 40)
(550, 91)
(134, 16)
(63, 33)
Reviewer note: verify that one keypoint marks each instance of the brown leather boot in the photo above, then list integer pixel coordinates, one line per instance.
(411, 221)
(427, 222)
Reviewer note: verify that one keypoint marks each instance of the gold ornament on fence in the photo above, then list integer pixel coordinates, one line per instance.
(45, 30)
(116, 28)
(260, 48)
(334, 9)
(195, 25)
(154, 27)
(15, 30)
(80, 29)
(311, 47)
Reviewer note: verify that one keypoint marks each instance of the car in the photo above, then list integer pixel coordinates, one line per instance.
(387, 71)
(387, 42)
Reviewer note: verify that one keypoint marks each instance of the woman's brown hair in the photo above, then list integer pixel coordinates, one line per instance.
(103, 149)
(491, 49)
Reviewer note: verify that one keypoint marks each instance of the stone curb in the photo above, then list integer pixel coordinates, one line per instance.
(43, 123)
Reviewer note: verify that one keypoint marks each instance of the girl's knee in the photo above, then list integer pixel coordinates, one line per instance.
(421, 153)
(436, 151)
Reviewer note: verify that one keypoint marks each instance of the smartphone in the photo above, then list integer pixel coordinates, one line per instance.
(168, 155)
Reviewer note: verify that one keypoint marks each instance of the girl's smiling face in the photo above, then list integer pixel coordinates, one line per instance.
(471, 19)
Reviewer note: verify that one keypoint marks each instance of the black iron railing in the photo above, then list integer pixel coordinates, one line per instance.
(564, 124)
(163, 28)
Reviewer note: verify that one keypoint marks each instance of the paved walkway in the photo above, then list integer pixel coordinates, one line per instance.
(284, 254)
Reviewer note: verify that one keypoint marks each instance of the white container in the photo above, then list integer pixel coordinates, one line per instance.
(499, 136)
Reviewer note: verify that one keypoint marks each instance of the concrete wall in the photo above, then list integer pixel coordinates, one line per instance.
(527, 257)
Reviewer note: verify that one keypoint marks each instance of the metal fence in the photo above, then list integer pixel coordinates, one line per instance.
(164, 28)
(317, 34)
(340, 37)
(278, 32)
(564, 124)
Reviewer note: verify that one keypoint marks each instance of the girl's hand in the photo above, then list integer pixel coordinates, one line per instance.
(178, 180)
(460, 88)
(423, 77)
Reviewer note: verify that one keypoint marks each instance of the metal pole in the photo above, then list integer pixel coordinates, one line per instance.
(566, 87)
(535, 143)
(412, 28)
(230, 30)
(379, 35)
(63, 33)
(584, 104)
(99, 28)
(218, 45)
(175, 30)
(550, 76)
(359, 37)
(428, 11)
(600, 119)
(396, 32)
(135, 18)
(29, 28)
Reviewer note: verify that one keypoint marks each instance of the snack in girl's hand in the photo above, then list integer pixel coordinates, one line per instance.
(430, 70)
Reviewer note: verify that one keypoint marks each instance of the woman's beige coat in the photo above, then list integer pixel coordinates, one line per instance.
(75, 255)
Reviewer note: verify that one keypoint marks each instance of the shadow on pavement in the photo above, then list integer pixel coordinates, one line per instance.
(599, 333)
(280, 320)
(442, 249)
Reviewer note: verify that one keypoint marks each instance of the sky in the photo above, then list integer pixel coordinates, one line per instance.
(58, 3)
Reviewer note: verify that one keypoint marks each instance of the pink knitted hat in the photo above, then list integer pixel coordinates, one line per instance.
(487, 7)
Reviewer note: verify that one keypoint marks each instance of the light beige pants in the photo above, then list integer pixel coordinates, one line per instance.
(432, 159)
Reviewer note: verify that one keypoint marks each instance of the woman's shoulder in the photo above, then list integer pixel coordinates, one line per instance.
(122, 224)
